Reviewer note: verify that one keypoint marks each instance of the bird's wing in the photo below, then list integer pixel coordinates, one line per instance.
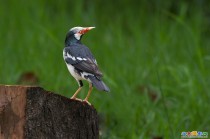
(82, 59)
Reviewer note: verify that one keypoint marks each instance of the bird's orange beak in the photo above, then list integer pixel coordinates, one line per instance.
(85, 30)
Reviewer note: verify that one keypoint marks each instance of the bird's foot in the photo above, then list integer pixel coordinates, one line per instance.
(76, 99)
(86, 101)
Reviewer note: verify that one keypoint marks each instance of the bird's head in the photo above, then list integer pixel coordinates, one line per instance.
(77, 32)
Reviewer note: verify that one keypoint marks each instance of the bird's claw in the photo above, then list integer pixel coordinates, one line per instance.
(76, 99)
(87, 102)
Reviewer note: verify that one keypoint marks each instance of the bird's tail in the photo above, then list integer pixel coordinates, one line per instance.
(99, 84)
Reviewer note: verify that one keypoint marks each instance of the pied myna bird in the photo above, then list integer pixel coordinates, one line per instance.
(81, 63)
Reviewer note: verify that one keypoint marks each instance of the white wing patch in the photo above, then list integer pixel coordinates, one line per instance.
(79, 58)
(67, 55)
(70, 56)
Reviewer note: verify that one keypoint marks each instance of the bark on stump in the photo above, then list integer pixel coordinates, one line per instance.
(33, 113)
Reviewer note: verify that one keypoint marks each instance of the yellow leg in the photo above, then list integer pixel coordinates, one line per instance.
(89, 92)
(76, 93)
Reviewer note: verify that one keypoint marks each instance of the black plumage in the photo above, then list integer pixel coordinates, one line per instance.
(87, 62)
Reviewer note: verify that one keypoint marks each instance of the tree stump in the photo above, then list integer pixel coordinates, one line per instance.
(33, 113)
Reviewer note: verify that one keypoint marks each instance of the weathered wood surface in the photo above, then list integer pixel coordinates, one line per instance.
(33, 113)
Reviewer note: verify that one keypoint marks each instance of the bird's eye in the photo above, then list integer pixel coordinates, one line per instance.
(80, 32)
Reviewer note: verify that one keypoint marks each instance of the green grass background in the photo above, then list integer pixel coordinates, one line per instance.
(146, 49)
